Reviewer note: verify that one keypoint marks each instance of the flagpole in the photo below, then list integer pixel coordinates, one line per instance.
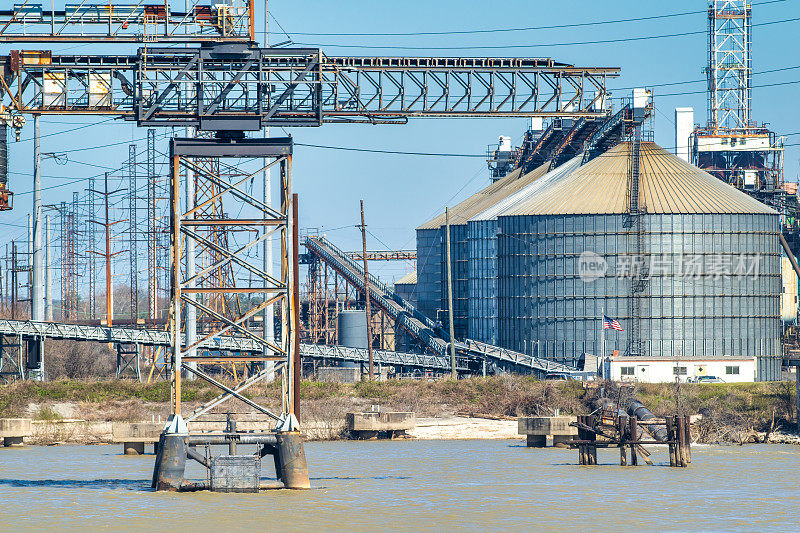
(603, 341)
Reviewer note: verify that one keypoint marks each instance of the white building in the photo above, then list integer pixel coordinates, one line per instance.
(653, 370)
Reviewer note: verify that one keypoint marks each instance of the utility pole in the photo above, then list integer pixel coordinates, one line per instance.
(367, 309)
(48, 276)
(13, 280)
(454, 374)
(108, 255)
(37, 281)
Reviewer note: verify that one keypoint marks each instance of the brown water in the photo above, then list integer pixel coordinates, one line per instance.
(415, 485)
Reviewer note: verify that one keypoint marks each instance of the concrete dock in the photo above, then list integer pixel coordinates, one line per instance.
(538, 428)
(375, 424)
(14, 430)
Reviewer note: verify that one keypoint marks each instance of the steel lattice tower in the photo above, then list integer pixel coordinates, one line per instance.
(730, 64)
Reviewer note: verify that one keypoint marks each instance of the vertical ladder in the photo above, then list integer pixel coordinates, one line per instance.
(640, 272)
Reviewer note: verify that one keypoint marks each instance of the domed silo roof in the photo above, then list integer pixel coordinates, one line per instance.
(667, 184)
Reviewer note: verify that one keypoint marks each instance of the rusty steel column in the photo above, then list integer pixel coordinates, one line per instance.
(175, 308)
(297, 364)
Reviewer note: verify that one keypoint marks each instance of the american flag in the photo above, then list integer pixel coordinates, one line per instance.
(610, 323)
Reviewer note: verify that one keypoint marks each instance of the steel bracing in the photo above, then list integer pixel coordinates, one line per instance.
(732, 146)
(134, 22)
(238, 87)
(195, 289)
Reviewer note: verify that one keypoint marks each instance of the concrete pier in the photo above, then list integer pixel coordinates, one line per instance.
(135, 435)
(538, 428)
(14, 430)
(375, 424)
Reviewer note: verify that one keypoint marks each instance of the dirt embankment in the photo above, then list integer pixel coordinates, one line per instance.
(731, 412)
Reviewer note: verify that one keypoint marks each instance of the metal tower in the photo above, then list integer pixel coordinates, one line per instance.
(732, 146)
(730, 64)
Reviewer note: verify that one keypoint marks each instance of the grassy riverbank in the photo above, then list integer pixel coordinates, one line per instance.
(731, 412)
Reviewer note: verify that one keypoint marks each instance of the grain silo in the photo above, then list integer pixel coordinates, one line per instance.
(689, 266)
(431, 253)
(482, 255)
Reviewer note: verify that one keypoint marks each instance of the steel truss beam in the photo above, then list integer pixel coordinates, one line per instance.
(193, 290)
(385, 255)
(235, 87)
(137, 21)
(247, 348)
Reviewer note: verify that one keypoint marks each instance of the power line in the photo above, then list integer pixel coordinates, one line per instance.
(505, 30)
(687, 82)
(440, 154)
(776, 84)
(377, 151)
(69, 130)
(529, 46)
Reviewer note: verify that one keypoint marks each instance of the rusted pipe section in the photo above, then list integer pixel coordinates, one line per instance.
(634, 407)
(643, 414)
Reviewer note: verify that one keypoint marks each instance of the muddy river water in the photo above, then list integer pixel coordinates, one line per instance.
(415, 485)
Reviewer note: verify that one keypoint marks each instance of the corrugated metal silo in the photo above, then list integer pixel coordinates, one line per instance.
(482, 255)
(705, 261)
(431, 242)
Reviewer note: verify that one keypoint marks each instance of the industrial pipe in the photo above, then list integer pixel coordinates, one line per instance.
(643, 414)
(242, 438)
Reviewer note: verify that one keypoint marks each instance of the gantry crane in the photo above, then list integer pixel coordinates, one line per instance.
(220, 81)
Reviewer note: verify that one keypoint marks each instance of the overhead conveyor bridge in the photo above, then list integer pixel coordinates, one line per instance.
(231, 345)
(432, 337)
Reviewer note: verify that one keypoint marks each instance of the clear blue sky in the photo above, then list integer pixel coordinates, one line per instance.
(401, 192)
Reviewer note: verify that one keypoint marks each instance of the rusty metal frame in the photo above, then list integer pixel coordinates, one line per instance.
(280, 289)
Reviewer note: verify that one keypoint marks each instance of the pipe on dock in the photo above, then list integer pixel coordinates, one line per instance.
(643, 414)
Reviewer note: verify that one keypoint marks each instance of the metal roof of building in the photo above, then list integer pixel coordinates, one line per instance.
(408, 279)
(668, 184)
(463, 211)
(527, 192)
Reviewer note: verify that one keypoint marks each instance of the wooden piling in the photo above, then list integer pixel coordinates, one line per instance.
(592, 458)
(683, 446)
(623, 456)
(634, 431)
(671, 439)
(581, 436)
(688, 426)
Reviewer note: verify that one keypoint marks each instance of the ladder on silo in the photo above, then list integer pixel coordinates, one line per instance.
(640, 271)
